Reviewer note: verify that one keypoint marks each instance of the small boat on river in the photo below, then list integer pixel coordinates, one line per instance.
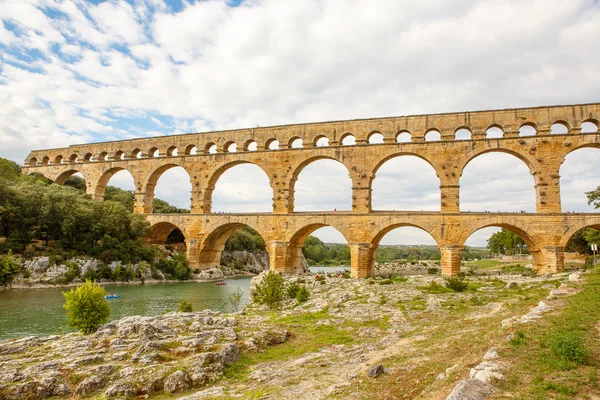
(221, 283)
(112, 296)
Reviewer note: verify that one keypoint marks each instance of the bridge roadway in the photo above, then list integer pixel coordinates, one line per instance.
(545, 234)
(282, 152)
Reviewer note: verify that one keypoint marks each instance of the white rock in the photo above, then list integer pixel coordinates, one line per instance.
(471, 389)
(574, 277)
(491, 354)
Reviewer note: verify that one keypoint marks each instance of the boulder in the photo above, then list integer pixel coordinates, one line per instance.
(375, 370)
(574, 277)
(90, 385)
(178, 381)
(471, 389)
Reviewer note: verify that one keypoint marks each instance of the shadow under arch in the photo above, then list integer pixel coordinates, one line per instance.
(211, 247)
(214, 178)
(297, 170)
(533, 248)
(62, 178)
(593, 223)
(161, 231)
(152, 180)
(296, 242)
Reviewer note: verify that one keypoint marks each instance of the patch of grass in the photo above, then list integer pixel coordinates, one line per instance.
(517, 339)
(568, 348)
(434, 288)
(484, 264)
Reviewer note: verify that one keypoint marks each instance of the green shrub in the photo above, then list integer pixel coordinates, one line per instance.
(235, 299)
(292, 289)
(302, 295)
(517, 339)
(568, 346)
(456, 283)
(86, 307)
(270, 291)
(184, 306)
(434, 288)
(73, 271)
(9, 268)
(433, 270)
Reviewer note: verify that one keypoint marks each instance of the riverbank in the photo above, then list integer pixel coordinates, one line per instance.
(375, 338)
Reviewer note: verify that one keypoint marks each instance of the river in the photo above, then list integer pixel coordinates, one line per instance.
(39, 312)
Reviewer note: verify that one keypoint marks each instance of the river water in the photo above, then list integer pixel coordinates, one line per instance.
(39, 312)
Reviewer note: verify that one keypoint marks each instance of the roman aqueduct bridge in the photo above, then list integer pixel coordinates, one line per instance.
(448, 142)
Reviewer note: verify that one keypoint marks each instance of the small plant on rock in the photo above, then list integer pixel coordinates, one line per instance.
(184, 306)
(302, 294)
(86, 307)
(270, 291)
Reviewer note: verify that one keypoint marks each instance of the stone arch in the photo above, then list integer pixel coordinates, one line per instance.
(103, 156)
(321, 141)
(463, 133)
(403, 136)
(136, 153)
(272, 144)
(230, 147)
(347, 139)
(494, 131)
(154, 152)
(214, 178)
(590, 126)
(172, 151)
(528, 129)
(45, 160)
(433, 135)
(88, 157)
(250, 145)
(297, 169)
(375, 137)
(152, 180)
(191, 150)
(210, 148)
(62, 178)
(297, 239)
(295, 143)
(73, 158)
(160, 231)
(213, 242)
(105, 178)
(32, 161)
(593, 222)
(390, 157)
(571, 176)
(558, 126)
(119, 155)
(58, 159)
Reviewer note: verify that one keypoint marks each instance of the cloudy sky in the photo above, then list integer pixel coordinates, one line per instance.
(78, 71)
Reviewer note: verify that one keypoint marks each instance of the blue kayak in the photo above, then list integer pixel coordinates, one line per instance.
(112, 296)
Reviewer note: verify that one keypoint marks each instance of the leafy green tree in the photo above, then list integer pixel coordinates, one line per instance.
(594, 197)
(506, 242)
(184, 306)
(86, 307)
(302, 295)
(235, 299)
(247, 239)
(270, 291)
(9, 268)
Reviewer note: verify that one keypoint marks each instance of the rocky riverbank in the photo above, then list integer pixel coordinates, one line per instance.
(376, 338)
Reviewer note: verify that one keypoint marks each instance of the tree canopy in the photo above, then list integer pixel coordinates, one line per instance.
(506, 242)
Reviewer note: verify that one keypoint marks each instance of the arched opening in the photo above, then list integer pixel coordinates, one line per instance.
(272, 144)
(497, 182)
(375, 138)
(229, 237)
(230, 147)
(404, 249)
(590, 126)
(172, 151)
(405, 182)
(462, 134)
(154, 152)
(168, 190)
(501, 247)
(33, 161)
(119, 155)
(251, 145)
(45, 160)
(527, 130)
(321, 185)
(103, 156)
(136, 153)
(296, 143)
(578, 176)
(348, 140)
(494, 132)
(191, 150)
(58, 159)
(210, 148)
(73, 158)
(559, 128)
(321, 141)
(72, 178)
(433, 135)
(241, 240)
(121, 188)
(168, 236)
(403, 137)
(320, 247)
(88, 157)
(578, 248)
(240, 188)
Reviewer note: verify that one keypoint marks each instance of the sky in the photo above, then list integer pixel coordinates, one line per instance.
(86, 71)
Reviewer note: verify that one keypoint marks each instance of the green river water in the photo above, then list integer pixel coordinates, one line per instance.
(39, 312)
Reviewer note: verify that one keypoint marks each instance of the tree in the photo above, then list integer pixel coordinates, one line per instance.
(594, 197)
(184, 306)
(506, 242)
(235, 299)
(86, 307)
(9, 268)
(270, 290)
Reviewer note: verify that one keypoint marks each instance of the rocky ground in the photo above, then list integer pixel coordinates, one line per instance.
(353, 339)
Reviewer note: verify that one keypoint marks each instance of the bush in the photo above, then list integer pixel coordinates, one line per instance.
(9, 268)
(86, 307)
(292, 290)
(73, 271)
(568, 347)
(434, 288)
(432, 270)
(269, 291)
(456, 283)
(302, 295)
(184, 306)
(235, 299)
